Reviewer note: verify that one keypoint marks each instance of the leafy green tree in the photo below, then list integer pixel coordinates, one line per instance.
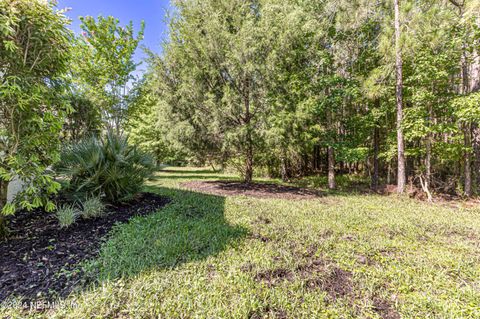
(34, 57)
(85, 118)
(214, 67)
(147, 126)
(103, 66)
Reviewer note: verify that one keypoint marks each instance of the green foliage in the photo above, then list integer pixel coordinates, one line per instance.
(84, 120)
(92, 207)
(34, 58)
(103, 65)
(467, 108)
(105, 166)
(212, 79)
(67, 215)
(148, 128)
(278, 83)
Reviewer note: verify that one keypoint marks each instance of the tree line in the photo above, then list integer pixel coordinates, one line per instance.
(388, 89)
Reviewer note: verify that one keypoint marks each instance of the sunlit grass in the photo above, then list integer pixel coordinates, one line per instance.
(206, 256)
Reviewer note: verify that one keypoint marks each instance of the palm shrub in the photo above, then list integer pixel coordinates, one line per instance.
(105, 166)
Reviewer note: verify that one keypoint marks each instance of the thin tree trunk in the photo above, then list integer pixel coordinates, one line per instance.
(476, 153)
(474, 87)
(389, 172)
(376, 138)
(330, 155)
(468, 163)
(475, 69)
(428, 151)
(249, 149)
(401, 176)
(284, 168)
(3, 202)
(249, 160)
(428, 161)
(467, 187)
(331, 168)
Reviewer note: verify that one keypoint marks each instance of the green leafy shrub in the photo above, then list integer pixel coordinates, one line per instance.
(67, 215)
(93, 208)
(105, 166)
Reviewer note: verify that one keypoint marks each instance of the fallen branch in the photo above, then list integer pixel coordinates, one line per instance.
(424, 185)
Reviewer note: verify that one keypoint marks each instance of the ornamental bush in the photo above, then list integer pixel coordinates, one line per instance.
(67, 215)
(93, 207)
(106, 166)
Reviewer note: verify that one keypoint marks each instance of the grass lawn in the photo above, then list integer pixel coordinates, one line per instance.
(337, 256)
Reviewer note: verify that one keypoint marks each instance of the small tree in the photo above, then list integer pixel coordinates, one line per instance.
(104, 65)
(34, 55)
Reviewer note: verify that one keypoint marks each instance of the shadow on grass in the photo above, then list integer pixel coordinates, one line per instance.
(192, 227)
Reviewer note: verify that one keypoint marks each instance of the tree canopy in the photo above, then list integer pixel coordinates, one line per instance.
(297, 87)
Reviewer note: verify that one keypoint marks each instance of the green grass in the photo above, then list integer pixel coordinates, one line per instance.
(339, 256)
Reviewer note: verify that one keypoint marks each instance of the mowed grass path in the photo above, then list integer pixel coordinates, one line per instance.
(338, 256)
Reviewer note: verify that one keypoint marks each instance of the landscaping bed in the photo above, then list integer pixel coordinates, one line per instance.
(40, 260)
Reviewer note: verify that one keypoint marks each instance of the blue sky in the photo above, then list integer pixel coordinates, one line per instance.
(152, 11)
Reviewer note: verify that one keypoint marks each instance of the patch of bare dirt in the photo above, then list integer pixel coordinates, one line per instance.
(268, 310)
(333, 280)
(385, 309)
(262, 238)
(263, 220)
(257, 190)
(411, 190)
(247, 267)
(322, 273)
(319, 273)
(365, 260)
(274, 276)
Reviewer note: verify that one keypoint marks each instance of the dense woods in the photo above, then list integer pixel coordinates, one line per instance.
(386, 89)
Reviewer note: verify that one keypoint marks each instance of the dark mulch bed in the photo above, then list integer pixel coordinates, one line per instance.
(258, 190)
(40, 260)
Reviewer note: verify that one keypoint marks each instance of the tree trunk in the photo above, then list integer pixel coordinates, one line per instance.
(468, 163)
(249, 148)
(249, 164)
(331, 168)
(330, 153)
(401, 176)
(428, 151)
(428, 161)
(467, 186)
(475, 69)
(476, 153)
(389, 172)
(474, 87)
(3, 202)
(316, 158)
(376, 138)
(284, 166)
